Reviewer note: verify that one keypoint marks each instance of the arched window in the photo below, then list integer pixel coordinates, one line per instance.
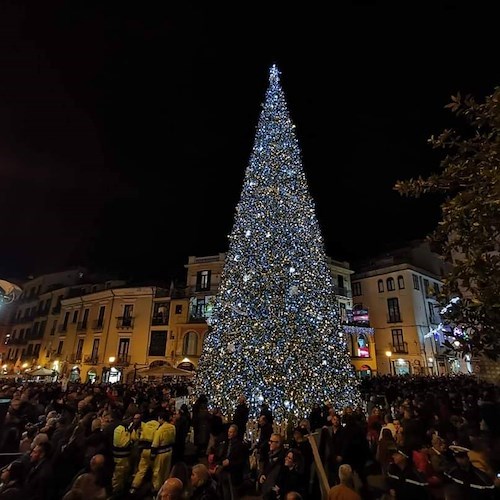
(190, 344)
(401, 282)
(390, 285)
(380, 285)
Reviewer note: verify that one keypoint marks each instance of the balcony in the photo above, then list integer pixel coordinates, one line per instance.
(159, 319)
(401, 348)
(122, 360)
(342, 291)
(98, 325)
(91, 359)
(124, 322)
(75, 358)
(81, 326)
(16, 341)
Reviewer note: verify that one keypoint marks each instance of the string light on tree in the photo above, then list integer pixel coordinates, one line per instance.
(275, 333)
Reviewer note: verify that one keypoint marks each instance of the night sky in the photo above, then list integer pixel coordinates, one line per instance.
(125, 130)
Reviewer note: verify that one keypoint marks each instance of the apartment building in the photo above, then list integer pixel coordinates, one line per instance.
(399, 290)
(203, 278)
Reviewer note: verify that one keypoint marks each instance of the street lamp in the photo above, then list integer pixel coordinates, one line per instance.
(389, 354)
(111, 360)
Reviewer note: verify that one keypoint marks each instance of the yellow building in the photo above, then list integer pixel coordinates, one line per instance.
(397, 289)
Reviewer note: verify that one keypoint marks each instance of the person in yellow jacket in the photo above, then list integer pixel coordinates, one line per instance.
(144, 442)
(161, 449)
(122, 446)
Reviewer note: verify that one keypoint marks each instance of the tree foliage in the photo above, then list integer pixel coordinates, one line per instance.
(468, 232)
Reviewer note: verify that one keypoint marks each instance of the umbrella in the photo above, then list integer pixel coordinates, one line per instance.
(165, 371)
(41, 372)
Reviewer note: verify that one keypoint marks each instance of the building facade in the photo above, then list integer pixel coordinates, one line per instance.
(400, 291)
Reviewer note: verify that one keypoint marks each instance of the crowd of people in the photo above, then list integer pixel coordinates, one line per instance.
(412, 438)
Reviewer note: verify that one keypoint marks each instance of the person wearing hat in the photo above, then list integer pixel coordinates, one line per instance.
(405, 481)
(466, 481)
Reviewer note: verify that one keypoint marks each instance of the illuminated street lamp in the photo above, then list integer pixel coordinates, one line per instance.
(111, 360)
(389, 354)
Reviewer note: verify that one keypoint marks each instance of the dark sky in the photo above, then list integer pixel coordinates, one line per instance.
(126, 127)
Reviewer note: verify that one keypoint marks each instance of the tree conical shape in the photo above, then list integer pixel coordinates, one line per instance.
(275, 334)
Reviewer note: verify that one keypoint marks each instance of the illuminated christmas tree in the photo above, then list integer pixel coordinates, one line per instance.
(275, 334)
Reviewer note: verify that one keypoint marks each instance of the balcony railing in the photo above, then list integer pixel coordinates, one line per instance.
(98, 325)
(122, 360)
(401, 348)
(91, 359)
(82, 326)
(342, 291)
(16, 341)
(159, 320)
(75, 358)
(124, 322)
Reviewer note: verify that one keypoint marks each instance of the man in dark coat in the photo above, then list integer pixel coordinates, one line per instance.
(231, 460)
(39, 482)
(241, 416)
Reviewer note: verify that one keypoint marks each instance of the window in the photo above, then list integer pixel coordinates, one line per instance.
(100, 317)
(203, 280)
(380, 286)
(65, 322)
(401, 282)
(161, 313)
(426, 288)
(36, 351)
(398, 343)
(79, 349)
(178, 309)
(433, 317)
(128, 310)
(393, 310)
(390, 285)
(95, 349)
(363, 347)
(356, 289)
(343, 312)
(123, 347)
(60, 347)
(75, 317)
(190, 344)
(158, 343)
(85, 318)
(416, 286)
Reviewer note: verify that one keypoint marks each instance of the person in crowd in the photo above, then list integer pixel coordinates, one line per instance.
(331, 447)
(263, 442)
(161, 449)
(466, 481)
(231, 464)
(92, 483)
(182, 422)
(11, 481)
(344, 490)
(241, 414)
(39, 484)
(301, 443)
(203, 486)
(385, 448)
(171, 489)
(291, 476)
(181, 471)
(405, 481)
(201, 424)
(145, 442)
(272, 467)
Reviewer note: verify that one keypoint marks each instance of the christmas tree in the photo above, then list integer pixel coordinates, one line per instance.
(275, 334)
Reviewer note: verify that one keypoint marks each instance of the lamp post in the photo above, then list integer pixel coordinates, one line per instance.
(389, 354)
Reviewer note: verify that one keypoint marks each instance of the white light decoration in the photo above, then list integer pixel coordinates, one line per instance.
(290, 351)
